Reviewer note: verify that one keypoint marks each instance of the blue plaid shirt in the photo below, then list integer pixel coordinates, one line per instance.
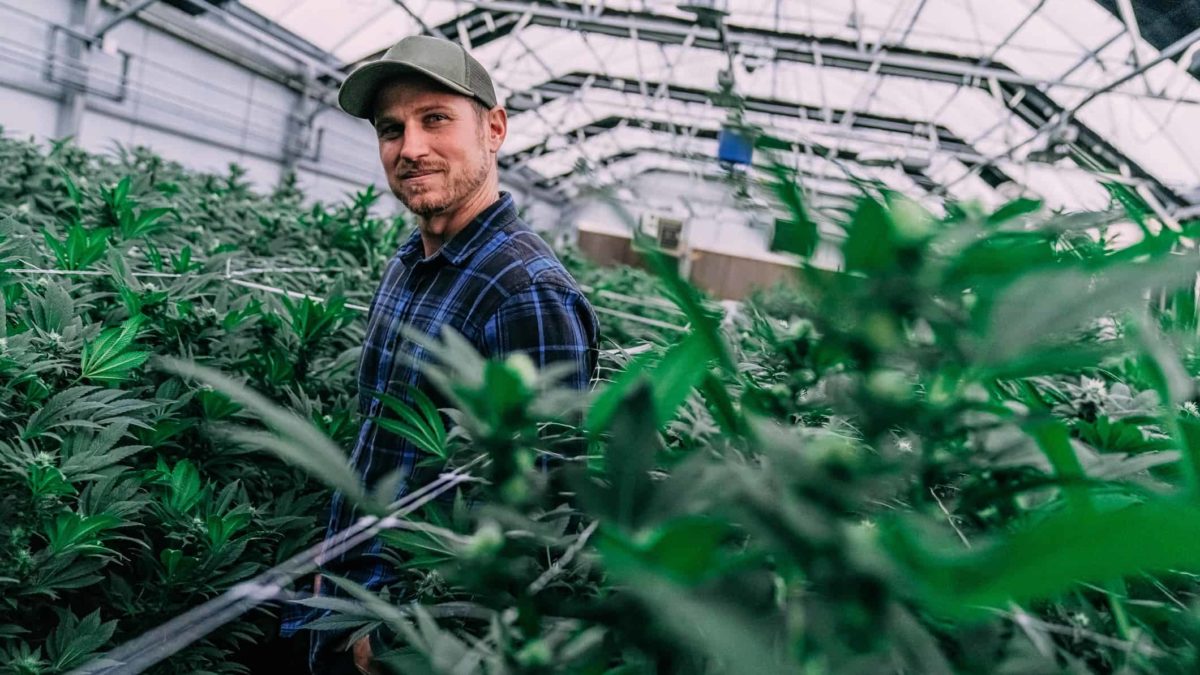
(498, 284)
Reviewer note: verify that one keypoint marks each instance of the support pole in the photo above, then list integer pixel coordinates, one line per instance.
(74, 99)
(298, 139)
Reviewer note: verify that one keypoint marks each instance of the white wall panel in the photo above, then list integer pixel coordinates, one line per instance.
(183, 101)
(27, 114)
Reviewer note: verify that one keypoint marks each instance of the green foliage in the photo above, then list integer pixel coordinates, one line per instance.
(972, 448)
(108, 359)
(969, 450)
(622, 295)
(422, 427)
(80, 248)
(120, 210)
(124, 498)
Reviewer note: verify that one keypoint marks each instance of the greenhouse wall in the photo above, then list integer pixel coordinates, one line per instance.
(729, 249)
(196, 91)
(724, 276)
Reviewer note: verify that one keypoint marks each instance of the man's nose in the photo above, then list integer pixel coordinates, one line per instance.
(416, 145)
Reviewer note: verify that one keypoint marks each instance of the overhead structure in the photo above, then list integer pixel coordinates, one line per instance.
(968, 100)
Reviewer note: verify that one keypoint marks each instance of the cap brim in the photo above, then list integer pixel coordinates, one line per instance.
(357, 95)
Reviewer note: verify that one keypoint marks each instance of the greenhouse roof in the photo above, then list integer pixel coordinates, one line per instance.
(977, 99)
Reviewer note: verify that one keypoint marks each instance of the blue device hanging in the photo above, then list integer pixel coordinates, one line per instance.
(734, 146)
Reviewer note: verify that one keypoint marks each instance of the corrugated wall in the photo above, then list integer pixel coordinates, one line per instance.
(187, 97)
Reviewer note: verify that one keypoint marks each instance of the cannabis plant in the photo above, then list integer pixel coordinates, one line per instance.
(122, 503)
(974, 447)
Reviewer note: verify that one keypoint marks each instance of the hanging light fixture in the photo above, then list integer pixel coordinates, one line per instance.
(735, 144)
(735, 140)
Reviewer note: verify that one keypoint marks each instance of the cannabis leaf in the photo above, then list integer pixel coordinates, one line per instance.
(425, 429)
(73, 533)
(106, 359)
(74, 640)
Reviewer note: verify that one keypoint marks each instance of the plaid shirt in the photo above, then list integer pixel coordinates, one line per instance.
(498, 284)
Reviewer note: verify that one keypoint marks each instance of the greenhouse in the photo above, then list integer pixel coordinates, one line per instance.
(599, 336)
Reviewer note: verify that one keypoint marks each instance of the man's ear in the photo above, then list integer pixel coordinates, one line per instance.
(497, 121)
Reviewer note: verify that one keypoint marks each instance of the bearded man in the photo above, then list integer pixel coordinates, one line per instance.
(472, 265)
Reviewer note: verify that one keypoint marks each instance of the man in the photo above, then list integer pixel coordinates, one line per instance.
(472, 266)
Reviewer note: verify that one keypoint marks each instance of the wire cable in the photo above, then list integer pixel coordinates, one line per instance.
(232, 278)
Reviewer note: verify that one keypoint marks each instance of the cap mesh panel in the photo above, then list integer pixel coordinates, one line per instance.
(479, 82)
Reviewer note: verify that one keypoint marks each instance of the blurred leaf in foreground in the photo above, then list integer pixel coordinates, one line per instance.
(295, 439)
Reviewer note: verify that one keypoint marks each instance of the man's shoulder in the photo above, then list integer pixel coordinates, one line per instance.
(517, 258)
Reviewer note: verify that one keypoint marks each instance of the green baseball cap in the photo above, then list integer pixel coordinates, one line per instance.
(440, 60)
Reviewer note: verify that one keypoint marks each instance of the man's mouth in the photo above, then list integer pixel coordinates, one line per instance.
(414, 175)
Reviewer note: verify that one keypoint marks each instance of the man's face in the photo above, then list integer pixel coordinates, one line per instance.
(436, 147)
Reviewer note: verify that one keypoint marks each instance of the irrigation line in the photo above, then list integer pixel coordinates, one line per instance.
(231, 273)
(291, 294)
(278, 270)
(138, 654)
(649, 302)
(169, 275)
(230, 276)
(88, 273)
(640, 319)
(1076, 633)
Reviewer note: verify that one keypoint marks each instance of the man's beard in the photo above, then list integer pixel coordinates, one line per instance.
(458, 185)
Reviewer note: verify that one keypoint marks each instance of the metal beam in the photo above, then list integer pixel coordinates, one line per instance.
(801, 48)
(271, 35)
(263, 25)
(1160, 22)
(630, 153)
(947, 140)
(705, 172)
(608, 124)
(121, 16)
(1170, 52)
(1091, 147)
(1034, 109)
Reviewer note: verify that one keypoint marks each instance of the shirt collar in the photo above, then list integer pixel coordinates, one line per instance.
(468, 240)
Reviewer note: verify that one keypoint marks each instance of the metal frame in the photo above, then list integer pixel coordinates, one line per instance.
(947, 140)
(494, 19)
(78, 80)
(633, 152)
(575, 182)
(1023, 98)
(611, 123)
(1090, 146)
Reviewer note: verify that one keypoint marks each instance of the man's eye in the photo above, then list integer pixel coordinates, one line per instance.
(390, 131)
(435, 117)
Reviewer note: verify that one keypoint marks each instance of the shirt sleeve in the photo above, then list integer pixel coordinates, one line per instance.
(552, 323)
